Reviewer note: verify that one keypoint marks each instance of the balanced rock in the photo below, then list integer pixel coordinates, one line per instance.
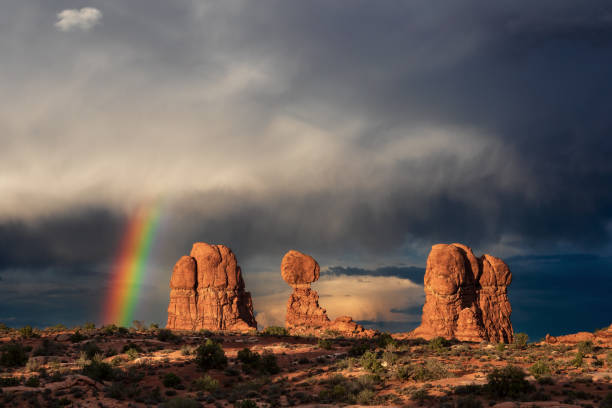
(465, 297)
(304, 315)
(207, 292)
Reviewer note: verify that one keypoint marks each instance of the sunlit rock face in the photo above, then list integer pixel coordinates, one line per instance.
(465, 297)
(304, 315)
(207, 292)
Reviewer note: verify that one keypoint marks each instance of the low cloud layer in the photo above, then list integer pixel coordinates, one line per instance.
(83, 19)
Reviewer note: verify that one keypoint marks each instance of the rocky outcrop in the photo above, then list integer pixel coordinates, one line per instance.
(207, 292)
(465, 297)
(599, 337)
(304, 315)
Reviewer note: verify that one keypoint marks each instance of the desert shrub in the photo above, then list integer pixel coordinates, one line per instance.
(385, 339)
(540, 368)
(606, 402)
(247, 403)
(48, 348)
(269, 364)
(508, 382)
(389, 358)
(27, 332)
(187, 350)
(358, 349)
(89, 326)
(609, 359)
(13, 355)
(131, 346)
(246, 356)
(520, 340)
(469, 389)
(91, 349)
(577, 361)
(132, 354)
(171, 380)
(206, 383)
(546, 380)
(32, 381)
(99, 371)
(275, 331)
(500, 347)
(365, 397)
(438, 344)
(181, 402)
(210, 355)
(403, 372)
(9, 381)
(420, 395)
(431, 370)
(585, 347)
(369, 362)
(77, 337)
(166, 335)
(325, 344)
(468, 401)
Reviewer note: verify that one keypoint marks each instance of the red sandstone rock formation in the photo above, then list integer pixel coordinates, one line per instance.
(207, 292)
(465, 297)
(304, 315)
(600, 337)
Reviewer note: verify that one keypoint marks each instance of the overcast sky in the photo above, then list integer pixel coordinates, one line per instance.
(359, 132)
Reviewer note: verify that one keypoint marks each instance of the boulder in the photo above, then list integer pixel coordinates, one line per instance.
(207, 292)
(465, 297)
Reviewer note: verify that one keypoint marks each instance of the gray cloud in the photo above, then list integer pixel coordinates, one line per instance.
(359, 134)
(83, 19)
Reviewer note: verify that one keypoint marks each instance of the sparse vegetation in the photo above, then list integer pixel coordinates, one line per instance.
(275, 331)
(540, 368)
(508, 382)
(210, 355)
(520, 340)
(13, 355)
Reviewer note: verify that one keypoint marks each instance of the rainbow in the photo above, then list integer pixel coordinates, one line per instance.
(129, 268)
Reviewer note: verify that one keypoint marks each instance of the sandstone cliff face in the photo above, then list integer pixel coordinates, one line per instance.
(207, 292)
(601, 337)
(465, 297)
(304, 315)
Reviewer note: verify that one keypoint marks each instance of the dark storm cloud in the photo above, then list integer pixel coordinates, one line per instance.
(414, 273)
(353, 133)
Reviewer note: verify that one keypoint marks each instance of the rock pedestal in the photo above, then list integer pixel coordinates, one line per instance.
(207, 292)
(304, 315)
(465, 297)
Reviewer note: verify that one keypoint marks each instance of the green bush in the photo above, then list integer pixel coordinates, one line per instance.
(520, 340)
(32, 381)
(325, 344)
(577, 361)
(540, 368)
(365, 397)
(13, 355)
(89, 326)
(585, 347)
(210, 355)
(508, 382)
(245, 404)
(358, 349)
(27, 332)
(369, 362)
(171, 380)
(384, 339)
(77, 337)
(99, 371)
(500, 347)
(431, 370)
(246, 356)
(91, 349)
(609, 359)
(275, 331)
(206, 383)
(166, 335)
(439, 344)
(9, 381)
(269, 364)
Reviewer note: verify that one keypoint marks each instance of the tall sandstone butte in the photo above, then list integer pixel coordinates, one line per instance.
(207, 292)
(465, 297)
(304, 315)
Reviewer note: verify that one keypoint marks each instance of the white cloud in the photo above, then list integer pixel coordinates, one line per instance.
(83, 19)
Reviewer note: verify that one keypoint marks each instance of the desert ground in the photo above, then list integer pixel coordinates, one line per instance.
(151, 367)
